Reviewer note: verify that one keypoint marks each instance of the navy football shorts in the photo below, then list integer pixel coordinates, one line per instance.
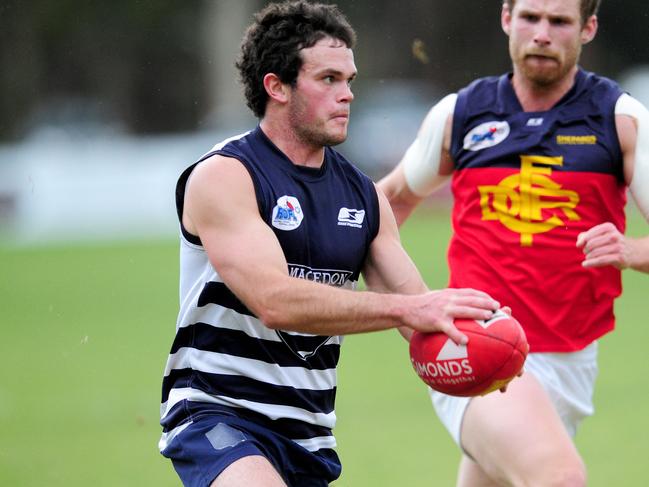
(214, 441)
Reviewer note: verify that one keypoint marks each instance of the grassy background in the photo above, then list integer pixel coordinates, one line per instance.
(86, 330)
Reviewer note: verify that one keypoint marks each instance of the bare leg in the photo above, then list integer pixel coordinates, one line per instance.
(249, 471)
(471, 473)
(518, 439)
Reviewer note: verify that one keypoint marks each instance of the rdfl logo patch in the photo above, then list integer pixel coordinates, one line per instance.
(486, 135)
(287, 214)
(350, 217)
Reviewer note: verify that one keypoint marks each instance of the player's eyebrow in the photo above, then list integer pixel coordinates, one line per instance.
(552, 17)
(336, 72)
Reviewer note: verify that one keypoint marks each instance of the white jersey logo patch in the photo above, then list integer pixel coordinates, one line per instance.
(486, 135)
(287, 214)
(351, 218)
(534, 122)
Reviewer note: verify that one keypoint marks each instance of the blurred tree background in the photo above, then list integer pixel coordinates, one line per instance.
(156, 66)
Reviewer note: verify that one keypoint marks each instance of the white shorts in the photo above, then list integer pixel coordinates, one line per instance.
(568, 378)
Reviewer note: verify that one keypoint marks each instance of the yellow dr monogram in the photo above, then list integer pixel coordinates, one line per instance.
(517, 201)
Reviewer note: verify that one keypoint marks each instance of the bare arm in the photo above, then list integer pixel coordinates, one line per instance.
(401, 198)
(604, 244)
(389, 268)
(426, 164)
(220, 207)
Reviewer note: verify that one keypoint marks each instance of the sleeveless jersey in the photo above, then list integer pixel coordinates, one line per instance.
(223, 358)
(525, 185)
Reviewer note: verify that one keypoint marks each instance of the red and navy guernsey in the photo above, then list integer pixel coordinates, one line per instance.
(223, 358)
(525, 185)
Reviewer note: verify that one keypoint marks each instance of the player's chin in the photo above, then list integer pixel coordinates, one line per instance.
(543, 75)
(335, 137)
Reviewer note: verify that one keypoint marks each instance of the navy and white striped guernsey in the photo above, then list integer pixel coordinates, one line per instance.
(223, 358)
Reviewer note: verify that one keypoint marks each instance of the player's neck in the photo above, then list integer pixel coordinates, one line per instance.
(299, 152)
(534, 97)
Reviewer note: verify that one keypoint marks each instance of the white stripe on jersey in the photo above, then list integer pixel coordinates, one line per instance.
(272, 411)
(219, 363)
(333, 339)
(317, 443)
(220, 317)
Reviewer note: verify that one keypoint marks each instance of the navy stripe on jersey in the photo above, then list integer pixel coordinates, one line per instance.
(218, 293)
(238, 387)
(291, 429)
(235, 342)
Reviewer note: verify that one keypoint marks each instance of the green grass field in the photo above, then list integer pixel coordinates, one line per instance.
(85, 334)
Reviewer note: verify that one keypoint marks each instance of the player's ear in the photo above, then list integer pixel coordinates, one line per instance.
(276, 90)
(589, 29)
(506, 18)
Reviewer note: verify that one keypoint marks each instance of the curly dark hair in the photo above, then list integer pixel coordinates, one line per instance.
(272, 44)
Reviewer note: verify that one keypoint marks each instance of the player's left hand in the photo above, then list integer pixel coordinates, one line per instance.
(605, 245)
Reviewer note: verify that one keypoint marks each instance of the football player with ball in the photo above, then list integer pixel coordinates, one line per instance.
(276, 228)
(540, 161)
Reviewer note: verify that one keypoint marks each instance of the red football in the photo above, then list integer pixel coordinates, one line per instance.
(495, 354)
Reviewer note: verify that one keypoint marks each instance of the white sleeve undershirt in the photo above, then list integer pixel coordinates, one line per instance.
(639, 185)
(422, 159)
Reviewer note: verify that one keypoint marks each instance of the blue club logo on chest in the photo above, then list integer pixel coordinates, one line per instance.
(287, 213)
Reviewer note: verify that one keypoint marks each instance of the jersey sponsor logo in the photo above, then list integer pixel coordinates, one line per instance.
(486, 135)
(332, 277)
(576, 139)
(307, 346)
(287, 214)
(520, 201)
(351, 218)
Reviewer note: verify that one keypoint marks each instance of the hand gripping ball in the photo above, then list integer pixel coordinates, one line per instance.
(494, 355)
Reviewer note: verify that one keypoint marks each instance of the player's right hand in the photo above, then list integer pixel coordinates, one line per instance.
(435, 311)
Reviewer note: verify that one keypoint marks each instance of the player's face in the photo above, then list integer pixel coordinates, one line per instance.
(545, 38)
(319, 104)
